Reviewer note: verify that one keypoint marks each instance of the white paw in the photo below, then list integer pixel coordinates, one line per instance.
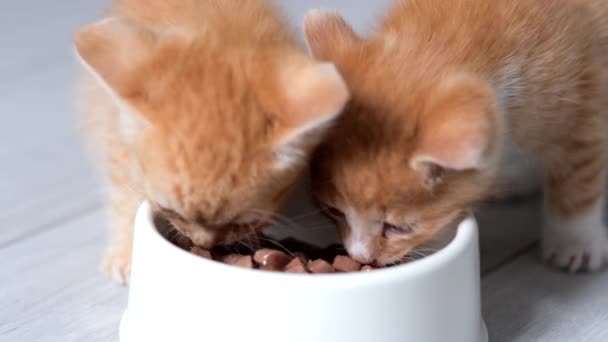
(577, 245)
(576, 255)
(116, 264)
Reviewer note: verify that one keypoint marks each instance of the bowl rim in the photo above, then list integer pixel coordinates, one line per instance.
(466, 237)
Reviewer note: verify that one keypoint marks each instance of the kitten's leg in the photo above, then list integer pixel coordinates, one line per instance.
(574, 235)
(116, 262)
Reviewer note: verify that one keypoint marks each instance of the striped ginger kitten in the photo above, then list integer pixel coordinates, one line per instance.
(442, 93)
(207, 109)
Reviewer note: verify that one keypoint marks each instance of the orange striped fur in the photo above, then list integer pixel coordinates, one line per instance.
(441, 91)
(207, 109)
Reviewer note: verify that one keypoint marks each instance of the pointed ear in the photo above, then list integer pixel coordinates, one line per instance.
(459, 131)
(112, 49)
(314, 97)
(328, 35)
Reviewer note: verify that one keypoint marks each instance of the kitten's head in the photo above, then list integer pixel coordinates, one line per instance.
(219, 131)
(415, 147)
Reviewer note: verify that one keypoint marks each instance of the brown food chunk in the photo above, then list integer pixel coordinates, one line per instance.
(367, 268)
(231, 259)
(271, 259)
(296, 266)
(269, 269)
(320, 266)
(306, 258)
(244, 261)
(345, 264)
(201, 252)
(302, 256)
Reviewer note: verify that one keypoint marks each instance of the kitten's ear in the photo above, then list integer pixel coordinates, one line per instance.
(314, 96)
(459, 131)
(112, 49)
(328, 35)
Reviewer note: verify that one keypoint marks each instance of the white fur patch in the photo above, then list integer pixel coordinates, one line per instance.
(509, 84)
(361, 237)
(571, 243)
(288, 155)
(359, 250)
(291, 150)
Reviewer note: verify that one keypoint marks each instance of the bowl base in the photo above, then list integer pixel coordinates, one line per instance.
(124, 336)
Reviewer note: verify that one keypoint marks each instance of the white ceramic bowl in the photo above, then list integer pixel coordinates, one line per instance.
(176, 296)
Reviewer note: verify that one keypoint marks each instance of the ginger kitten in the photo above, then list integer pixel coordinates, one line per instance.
(442, 92)
(207, 109)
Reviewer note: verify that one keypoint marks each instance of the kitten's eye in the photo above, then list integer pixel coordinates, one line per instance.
(335, 213)
(391, 229)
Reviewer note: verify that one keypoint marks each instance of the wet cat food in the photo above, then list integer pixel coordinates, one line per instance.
(271, 259)
(345, 264)
(264, 253)
(296, 266)
(320, 266)
(266, 256)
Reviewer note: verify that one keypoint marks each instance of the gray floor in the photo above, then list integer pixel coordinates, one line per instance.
(53, 225)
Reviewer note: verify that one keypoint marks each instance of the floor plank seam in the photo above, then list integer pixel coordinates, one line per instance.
(54, 224)
(520, 252)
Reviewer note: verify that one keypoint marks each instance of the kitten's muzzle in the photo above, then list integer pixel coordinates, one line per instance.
(363, 259)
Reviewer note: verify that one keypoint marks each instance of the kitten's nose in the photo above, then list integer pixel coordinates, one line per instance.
(362, 259)
(360, 253)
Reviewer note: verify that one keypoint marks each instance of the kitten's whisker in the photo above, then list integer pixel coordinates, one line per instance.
(244, 244)
(426, 251)
(417, 253)
(404, 259)
(273, 221)
(278, 244)
(173, 230)
(253, 238)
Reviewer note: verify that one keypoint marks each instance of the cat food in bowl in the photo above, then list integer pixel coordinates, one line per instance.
(295, 257)
(178, 295)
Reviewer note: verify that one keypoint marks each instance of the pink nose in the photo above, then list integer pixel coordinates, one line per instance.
(359, 252)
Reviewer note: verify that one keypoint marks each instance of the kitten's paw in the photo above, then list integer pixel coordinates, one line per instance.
(575, 249)
(116, 264)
